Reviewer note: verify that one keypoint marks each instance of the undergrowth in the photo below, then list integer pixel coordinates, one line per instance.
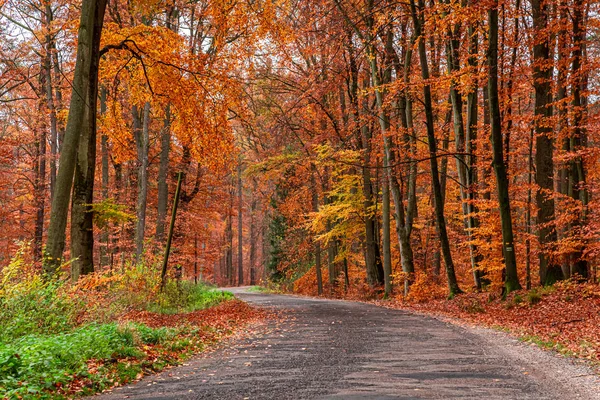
(52, 331)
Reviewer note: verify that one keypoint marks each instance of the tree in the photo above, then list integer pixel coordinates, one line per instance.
(437, 190)
(82, 110)
(508, 245)
(544, 163)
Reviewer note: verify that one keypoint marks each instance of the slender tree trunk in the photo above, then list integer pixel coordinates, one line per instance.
(48, 17)
(372, 255)
(435, 177)
(462, 164)
(577, 176)
(389, 158)
(387, 253)
(240, 225)
(317, 244)
(253, 233)
(550, 272)
(104, 238)
(471, 147)
(40, 192)
(163, 173)
(528, 215)
(141, 133)
(229, 239)
(83, 103)
(512, 279)
(163, 275)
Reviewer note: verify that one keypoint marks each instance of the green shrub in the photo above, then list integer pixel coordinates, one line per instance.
(185, 296)
(517, 299)
(29, 304)
(36, 363)
(534, 297)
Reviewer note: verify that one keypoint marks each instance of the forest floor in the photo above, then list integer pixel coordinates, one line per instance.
(336, 349)
(564, 318)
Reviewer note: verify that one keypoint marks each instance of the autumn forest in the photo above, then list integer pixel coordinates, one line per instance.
(369, 149)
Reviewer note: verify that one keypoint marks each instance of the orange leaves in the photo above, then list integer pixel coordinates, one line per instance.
(153, 64)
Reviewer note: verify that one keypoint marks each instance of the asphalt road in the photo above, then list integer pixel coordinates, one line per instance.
(329, 349)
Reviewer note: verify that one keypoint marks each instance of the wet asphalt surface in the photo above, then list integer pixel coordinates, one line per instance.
(329, 349)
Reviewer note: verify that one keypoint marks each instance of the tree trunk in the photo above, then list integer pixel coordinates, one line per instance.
(512, 279)
(104, 238)
(389, 158)
(163, 173)
(437, 189)
(462, 165)
(578, 139)
(372, 256)
(550, 272)
(40, 192)
(48, 17)
(387, 253)
(229, 238)
(141, 132)
(317, 244)
(253, 233)
(471, 148)
(240, 225)
(83, 103)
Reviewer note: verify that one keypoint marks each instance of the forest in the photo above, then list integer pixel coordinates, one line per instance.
(418, 151)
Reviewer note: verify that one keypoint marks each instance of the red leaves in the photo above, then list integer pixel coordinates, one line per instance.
(226, 315)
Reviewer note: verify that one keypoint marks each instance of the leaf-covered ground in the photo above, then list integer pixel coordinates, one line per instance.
(565, 318)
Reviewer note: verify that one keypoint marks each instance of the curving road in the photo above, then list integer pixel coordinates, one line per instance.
(329, 349)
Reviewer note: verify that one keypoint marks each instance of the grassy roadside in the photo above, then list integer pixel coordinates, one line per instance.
(63, 340)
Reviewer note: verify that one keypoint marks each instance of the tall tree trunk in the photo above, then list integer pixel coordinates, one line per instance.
(389, 156)
(577, 177)
(317, 244)
(253, 233)
(550, 272)
(512, 279)
(437, 189)
(104, 238)
(163, 173)
(387, 253)
(229, 238)
(47, 64)
(471, 148)
(463, 166)
(82, 110)
(141, 132)
(372, 256)
(40, 191)
(528, 215)
(240, 225)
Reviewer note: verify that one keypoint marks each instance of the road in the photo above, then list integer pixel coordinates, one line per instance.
(331, 349)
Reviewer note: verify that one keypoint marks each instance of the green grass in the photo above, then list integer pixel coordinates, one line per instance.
(546, 344)
(185, 297)
(259, 289)
(35, 364)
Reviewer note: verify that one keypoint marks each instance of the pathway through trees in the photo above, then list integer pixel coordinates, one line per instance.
(330, 349)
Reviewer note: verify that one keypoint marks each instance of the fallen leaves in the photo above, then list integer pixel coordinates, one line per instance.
(565, 318)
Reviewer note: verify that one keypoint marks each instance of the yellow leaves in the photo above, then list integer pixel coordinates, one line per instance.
(273, 167)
